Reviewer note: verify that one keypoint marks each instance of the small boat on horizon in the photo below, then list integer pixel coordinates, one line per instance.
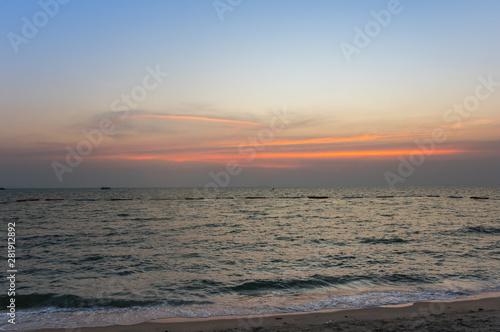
(385, 196)
(105, 188)
(2, 188)
(479, 197)
(317, 197)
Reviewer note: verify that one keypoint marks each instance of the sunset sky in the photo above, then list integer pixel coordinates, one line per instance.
(249, 93)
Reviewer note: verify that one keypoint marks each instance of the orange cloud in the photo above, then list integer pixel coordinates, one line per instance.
(196, 118)
(284, 156)
(346, 154)
(327, 140)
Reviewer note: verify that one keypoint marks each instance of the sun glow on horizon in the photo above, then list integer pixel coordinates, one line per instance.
(284, 156)
(269, 88)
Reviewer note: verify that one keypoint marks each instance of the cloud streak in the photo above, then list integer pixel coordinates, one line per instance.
(286, 157)
(329, 140)
(195, 118)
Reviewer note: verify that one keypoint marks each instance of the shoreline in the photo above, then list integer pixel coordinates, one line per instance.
(480, 312)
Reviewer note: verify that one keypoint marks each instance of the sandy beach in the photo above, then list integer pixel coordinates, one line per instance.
(474, 313)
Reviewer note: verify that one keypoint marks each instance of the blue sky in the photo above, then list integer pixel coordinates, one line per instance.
(264, 55)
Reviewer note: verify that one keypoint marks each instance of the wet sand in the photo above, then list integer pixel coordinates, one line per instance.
(475, 313)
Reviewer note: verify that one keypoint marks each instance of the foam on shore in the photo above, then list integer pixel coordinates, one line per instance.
(475, 312)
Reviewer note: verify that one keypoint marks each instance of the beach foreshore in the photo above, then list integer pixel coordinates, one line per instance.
(479, 312)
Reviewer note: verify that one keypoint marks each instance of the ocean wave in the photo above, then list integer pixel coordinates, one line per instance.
(72, 302)
(256, 287)
(374, 240)
(483, 229)
(53, 300)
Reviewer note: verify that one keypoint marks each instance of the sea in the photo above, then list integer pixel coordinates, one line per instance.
(92, 257)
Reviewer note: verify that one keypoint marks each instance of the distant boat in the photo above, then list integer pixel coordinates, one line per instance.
(479, 197)
(194, 198)
(255, 197)
(105, 188)
(455, 197)
(432, 195)
(2, 188)
(385, 196)
(317, 197)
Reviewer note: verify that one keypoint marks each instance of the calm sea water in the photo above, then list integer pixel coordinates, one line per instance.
(91, 261)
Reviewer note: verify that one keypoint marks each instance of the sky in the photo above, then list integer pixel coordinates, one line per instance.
(249, 93)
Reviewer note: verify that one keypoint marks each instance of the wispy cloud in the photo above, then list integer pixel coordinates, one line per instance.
(330, 140)
(470, 124)
(286, 157)
(194, 118)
